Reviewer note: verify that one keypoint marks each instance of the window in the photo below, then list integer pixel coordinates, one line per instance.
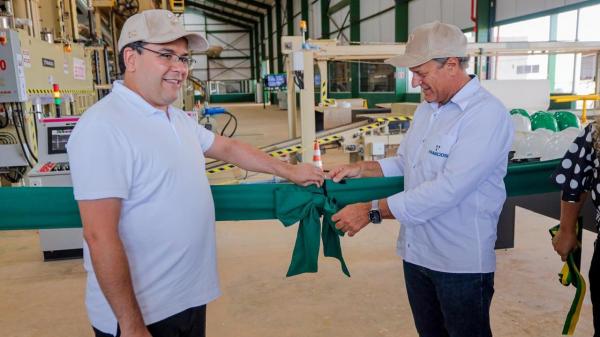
(340, 79)
(377, 77)
(563, 79)
(228, 87)
(529, 30)
(566, 26)
(589, 25)
(588, 67)
(470, 37)
(528, 68)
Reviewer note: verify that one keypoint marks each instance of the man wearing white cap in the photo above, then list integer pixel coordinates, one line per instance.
(137, 167)
(453, 160)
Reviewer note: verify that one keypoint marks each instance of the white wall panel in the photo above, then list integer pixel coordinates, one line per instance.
(368, 8)
(380, 28)
(219, 25)
(508, 9)
(297, 6)
(456, 12)
(315, 20)
(221, 70)
(234, 44)
(297, 24)
(200, 74)
(340, 15)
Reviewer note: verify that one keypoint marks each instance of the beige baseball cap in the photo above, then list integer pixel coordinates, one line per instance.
(429, 41)
(158, 26)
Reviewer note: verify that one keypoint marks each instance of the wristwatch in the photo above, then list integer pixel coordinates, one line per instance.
(374, 214)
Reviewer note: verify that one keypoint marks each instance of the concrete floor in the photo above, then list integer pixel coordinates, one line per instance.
(46, 299)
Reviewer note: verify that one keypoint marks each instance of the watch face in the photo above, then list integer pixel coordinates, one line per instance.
(375, 216)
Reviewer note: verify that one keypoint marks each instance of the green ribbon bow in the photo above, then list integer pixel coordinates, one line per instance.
(570, 275)
(293, 204)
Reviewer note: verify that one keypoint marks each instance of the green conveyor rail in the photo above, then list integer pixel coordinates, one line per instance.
(26, 208)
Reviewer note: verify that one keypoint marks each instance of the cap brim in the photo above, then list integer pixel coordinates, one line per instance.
(407, 61)
(196, 42)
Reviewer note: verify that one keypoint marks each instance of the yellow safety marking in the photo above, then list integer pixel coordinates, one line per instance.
(321, 141)
(65, 91)
(394, 119)
(278, 153)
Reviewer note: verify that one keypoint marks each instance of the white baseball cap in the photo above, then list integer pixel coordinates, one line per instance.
(430, 41)
(158, 26)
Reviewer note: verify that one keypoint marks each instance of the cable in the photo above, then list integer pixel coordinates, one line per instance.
(6, 120)
(15, 174)
(8, 138)
(231, 117)
(21, 113)
(19, 137)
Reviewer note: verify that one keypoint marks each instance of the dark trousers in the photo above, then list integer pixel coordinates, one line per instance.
(595, 286)
(449, 304)
(188, 323)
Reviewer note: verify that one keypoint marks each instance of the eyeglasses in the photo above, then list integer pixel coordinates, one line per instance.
(171, 57)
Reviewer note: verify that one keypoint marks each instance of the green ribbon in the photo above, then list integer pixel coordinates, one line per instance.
(25, 208)
(306, 205)
(570, 275)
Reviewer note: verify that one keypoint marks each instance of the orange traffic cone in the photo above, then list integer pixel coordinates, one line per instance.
(317, 155)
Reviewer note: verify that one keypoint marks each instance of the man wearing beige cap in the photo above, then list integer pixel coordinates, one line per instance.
(453, 160)
(137, 167)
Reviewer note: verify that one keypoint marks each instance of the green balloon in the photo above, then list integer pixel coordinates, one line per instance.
(567, 119)
(520, 112)
(543, 120)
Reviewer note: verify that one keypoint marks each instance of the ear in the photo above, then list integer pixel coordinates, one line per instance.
(453, 65)
(129, 58)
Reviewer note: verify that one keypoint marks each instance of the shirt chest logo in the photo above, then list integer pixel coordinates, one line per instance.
(436, 152)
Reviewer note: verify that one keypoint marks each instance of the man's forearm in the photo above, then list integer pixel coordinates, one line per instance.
(112, 272)
(248, 157)
(370, 169)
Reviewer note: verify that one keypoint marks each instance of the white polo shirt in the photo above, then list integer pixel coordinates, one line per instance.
(453, 159)
(124, 148)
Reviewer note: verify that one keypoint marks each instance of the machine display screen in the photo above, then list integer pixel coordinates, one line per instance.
(58, 138)
(275, 81)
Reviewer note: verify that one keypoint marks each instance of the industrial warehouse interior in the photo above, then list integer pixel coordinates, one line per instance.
(463, 132)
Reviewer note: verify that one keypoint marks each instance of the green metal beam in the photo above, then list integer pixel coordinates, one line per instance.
(225, 20)
(355, 37)
(270, 39)
(290, 17)
(484, 25)
(252, 56)
(218, 31)
(304, 11)
(256, 4)
(278, 29)
(257, 47)
(401, 35)
(401, 21)
(552, 57)
(216, 12)
(339, 6)
(484, 22)
(325, 19)
(236, 8)
(230, 58)
(263, 35)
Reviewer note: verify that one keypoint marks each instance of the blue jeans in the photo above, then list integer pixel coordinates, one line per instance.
(449, 304)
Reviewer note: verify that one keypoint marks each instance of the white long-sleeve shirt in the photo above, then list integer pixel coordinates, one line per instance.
(453, 159)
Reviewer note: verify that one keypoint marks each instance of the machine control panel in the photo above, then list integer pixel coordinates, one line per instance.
(54, 167)
(12, 72)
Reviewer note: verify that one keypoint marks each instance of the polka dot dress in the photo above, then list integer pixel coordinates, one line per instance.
(578, 170)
